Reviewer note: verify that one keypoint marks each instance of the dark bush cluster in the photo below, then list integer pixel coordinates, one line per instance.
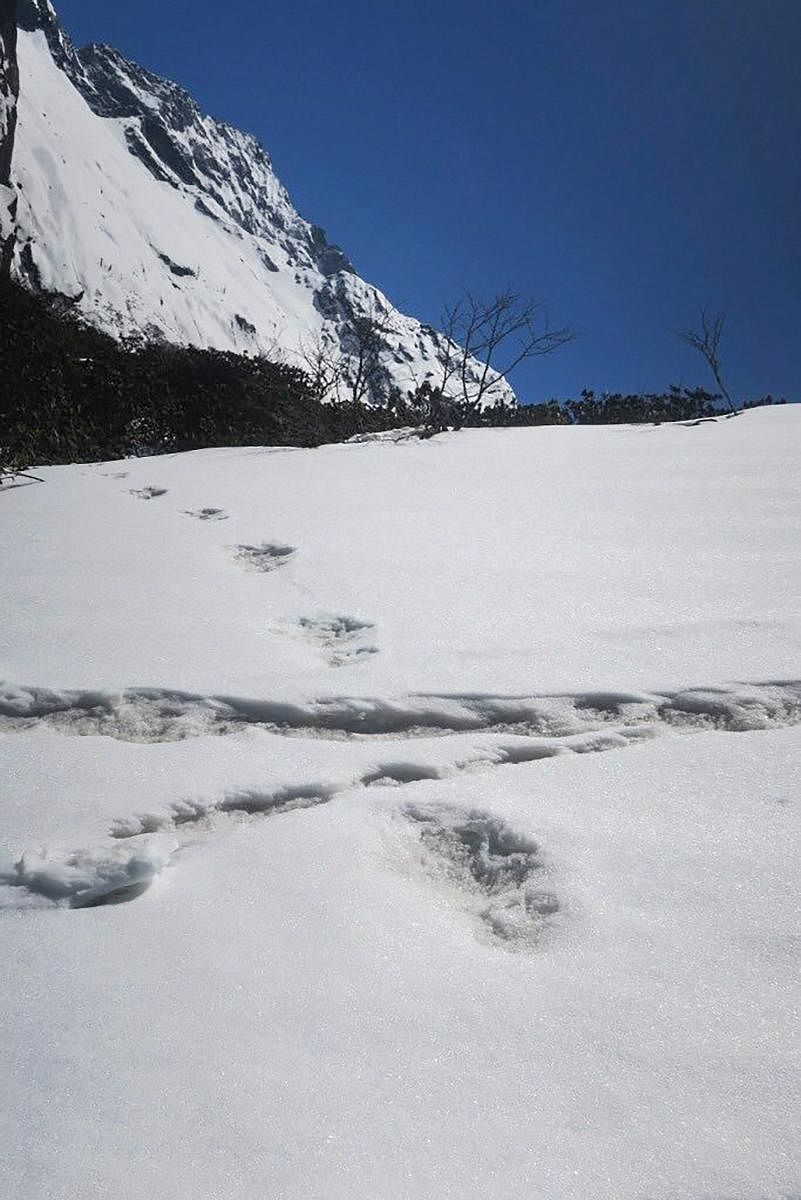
(69, 392)
(607, 408)
(613, 408)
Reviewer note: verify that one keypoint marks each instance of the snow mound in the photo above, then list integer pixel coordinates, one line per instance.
(86, 878)
(153, 714)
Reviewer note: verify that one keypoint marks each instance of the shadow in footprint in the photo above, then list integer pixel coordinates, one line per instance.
(148, 493)
(206, 514)
(343, 640)
(250, 802)
(121, 895)
(523, 753)
(496, 868)
(269, 556)
(398, 773)
(263, 804)
(90, 876)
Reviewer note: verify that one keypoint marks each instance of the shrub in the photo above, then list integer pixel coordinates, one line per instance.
(72, 393)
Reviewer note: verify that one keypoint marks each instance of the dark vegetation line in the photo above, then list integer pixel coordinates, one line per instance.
(69, 392)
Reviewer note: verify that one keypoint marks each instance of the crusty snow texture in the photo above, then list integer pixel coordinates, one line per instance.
(405, 819)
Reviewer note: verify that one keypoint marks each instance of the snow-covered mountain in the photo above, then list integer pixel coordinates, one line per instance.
(169, 223)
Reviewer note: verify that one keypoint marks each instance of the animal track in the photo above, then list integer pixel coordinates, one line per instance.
(122, 870)
(341, 639)
(499, 871)
(493, 866)
(269, 556)
(250, 802)
(148, 493)
(207, 514)
(399, 773)
(162, 715)
(475, 848)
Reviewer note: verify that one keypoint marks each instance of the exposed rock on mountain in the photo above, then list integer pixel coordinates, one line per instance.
(9, 91)
(164, 222)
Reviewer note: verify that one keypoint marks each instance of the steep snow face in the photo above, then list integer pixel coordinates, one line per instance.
(169, 223)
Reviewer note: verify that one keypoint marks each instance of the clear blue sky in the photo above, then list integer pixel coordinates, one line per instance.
(623, 160)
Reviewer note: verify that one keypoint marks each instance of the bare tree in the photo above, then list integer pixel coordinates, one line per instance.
(324, 367)
(365, 374)
(450, 322)
(706, 340)
(500, 333)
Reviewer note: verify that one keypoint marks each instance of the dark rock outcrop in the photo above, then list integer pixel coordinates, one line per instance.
(9, 93)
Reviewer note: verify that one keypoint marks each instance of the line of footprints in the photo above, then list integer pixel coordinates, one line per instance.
(342, 640)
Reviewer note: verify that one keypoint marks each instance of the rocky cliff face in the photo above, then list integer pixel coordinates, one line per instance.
(9, 93)
(166, 223)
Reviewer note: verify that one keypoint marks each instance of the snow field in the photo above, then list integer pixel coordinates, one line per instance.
(316, 877)
(346, 1020)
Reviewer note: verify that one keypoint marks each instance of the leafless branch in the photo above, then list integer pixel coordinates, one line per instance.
(706, 340)
(324, 367)
(501, 334)
(367, 379)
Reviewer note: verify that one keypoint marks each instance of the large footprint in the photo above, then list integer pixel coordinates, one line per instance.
(207, 514)
(268, 556)
(499, 872)
(148, 493)
(343, 640)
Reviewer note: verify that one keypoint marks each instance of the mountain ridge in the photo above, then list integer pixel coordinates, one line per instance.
(166, 223)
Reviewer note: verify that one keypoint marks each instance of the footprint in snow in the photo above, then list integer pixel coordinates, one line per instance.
(398, 774)
(343, 640)
(268, 556)
(138, 849)
(148, 493)
(247, 803)
(207, 514)
(498, 871)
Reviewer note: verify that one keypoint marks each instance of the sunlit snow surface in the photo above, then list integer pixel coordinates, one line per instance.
(406, 820)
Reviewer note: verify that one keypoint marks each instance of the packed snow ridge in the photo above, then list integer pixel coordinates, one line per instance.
(164, 222)
(497, 872)
(155, 715)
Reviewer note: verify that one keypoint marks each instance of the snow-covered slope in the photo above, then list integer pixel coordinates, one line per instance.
(454, 786)
(169, 223)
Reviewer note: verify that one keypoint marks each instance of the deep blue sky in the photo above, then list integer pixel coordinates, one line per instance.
(623, 160)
